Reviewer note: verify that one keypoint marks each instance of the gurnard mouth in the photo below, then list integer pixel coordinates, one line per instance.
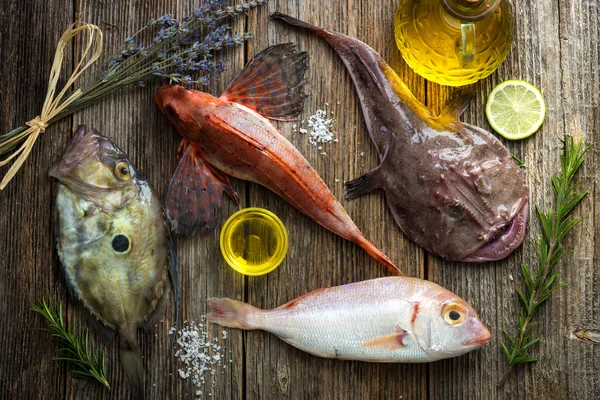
(505, 241)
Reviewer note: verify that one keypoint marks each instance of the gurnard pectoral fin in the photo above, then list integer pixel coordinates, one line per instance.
(272, 83)
(195, 193)
(231, 313)
(389, 342)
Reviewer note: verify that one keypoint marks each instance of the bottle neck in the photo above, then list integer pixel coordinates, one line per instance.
(470, 10)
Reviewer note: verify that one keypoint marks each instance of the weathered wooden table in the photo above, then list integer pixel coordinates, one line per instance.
(556, 48)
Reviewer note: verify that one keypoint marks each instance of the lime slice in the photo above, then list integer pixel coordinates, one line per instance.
(515, 109)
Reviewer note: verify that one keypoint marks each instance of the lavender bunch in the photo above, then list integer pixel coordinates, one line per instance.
(180, 51)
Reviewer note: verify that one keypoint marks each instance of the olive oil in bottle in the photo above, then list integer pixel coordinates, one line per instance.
(454, 42)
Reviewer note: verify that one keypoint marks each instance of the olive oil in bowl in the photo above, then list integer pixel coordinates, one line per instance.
(254, 241)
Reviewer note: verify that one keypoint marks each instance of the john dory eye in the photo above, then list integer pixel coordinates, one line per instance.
(454, 313)
(122, 171)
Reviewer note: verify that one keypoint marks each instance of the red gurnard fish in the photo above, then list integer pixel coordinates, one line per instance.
(231, 135)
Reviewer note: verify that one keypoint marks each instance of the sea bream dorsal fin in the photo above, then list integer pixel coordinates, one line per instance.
(272, 84)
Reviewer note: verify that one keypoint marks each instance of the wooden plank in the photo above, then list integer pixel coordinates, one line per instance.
(555, 48)
(27, 262)
(317, 258)
(576, 307)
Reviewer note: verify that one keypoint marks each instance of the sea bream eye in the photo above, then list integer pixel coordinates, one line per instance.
(454, 316)
(454, 313)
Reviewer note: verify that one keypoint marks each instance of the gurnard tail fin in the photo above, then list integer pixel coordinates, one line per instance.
(131, 362)
(232, 313)
(272, 83)
(378, 255)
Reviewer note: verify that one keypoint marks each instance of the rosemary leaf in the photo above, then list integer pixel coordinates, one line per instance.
(541, 282)
(86, 363)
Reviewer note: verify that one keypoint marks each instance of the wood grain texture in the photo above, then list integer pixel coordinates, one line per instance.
(556, 48)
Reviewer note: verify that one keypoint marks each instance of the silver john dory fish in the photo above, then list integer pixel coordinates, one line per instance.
(113, 242)
(394, 319)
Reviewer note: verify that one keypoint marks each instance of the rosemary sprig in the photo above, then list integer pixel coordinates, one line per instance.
(87, 363)
(520, 163)
(557, 222)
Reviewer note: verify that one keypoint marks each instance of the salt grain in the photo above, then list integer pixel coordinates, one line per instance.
(320, 128)
(198, 354)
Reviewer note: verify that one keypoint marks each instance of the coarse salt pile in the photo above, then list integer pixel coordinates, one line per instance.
(319, 131)
(199, 354)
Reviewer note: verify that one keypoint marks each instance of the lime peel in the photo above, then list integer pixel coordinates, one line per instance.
(515, 109)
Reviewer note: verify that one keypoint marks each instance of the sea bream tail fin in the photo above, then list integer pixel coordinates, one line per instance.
(133, 368)
(272, 83)
(232, 313)
(195, 194)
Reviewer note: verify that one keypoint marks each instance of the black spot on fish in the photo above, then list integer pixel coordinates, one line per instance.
(337, 353)
(120, 243)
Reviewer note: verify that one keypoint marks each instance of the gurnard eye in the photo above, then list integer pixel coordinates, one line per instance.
(454, 313)
(122, 171)
(171, 111)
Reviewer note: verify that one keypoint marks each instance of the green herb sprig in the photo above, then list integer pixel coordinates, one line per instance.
(87, 363)
(557, 222)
